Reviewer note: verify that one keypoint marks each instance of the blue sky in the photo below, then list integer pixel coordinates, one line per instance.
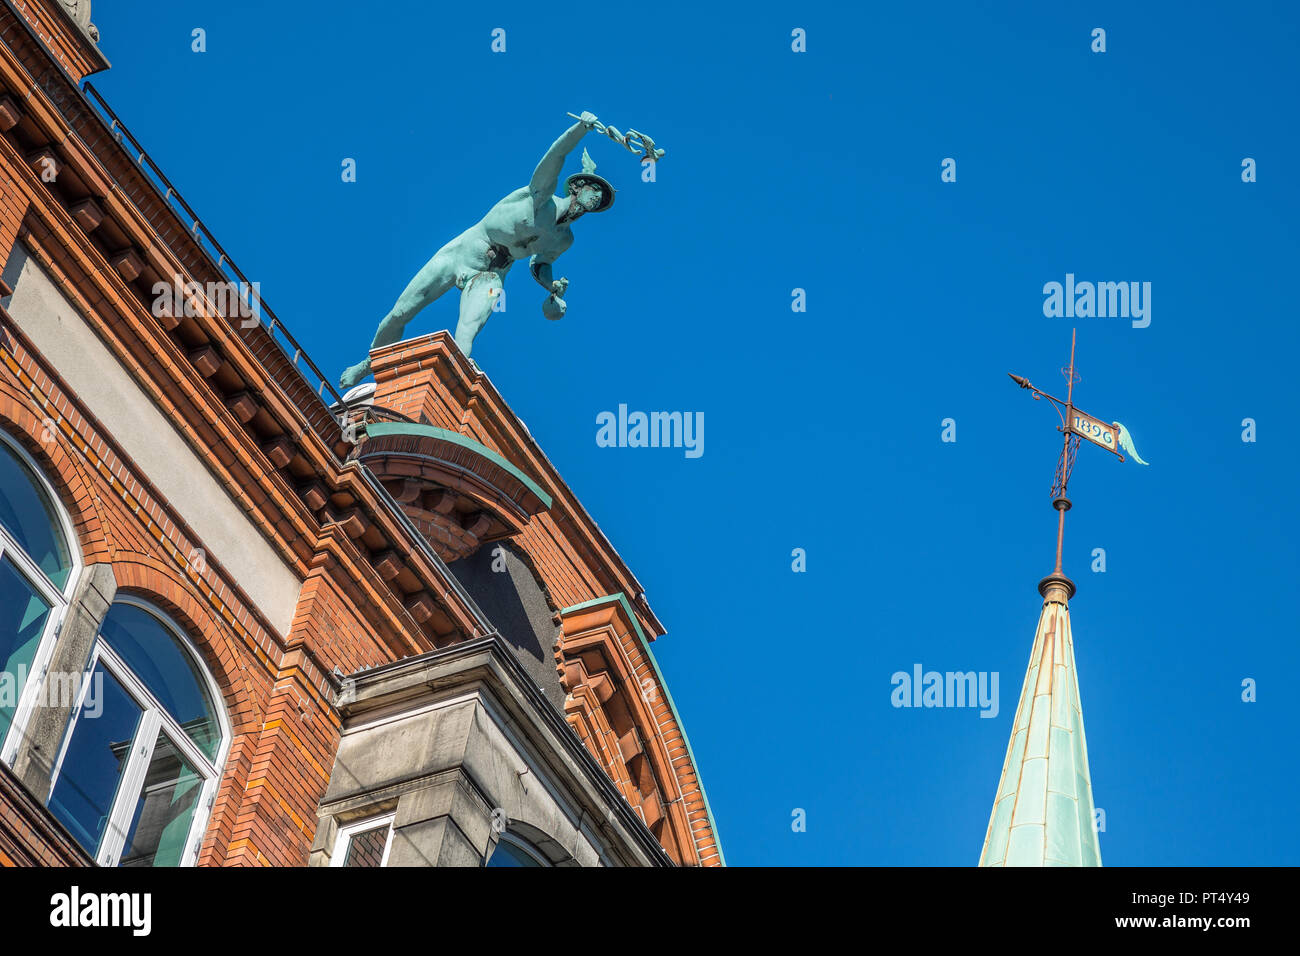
(821, 171)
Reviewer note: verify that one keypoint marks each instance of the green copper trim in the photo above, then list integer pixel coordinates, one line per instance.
(645, 646)
(380, 429)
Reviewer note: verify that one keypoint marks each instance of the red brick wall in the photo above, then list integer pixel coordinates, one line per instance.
(28, 836)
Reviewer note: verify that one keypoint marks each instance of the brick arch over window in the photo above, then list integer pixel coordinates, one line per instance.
(621, 711)
(65, 472)
(162, 585)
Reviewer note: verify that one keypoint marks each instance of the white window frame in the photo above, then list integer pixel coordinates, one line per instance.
(343, 842)
(153, 719)
(58, 600)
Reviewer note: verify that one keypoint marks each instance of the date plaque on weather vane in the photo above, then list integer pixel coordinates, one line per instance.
(1094, 430)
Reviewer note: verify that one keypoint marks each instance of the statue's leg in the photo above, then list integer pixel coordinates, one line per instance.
(437, 276)
(476, 300)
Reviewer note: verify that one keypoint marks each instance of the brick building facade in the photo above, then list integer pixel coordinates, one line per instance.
(311, 631)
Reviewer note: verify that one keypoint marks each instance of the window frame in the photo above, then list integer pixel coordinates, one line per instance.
(154, 720)
(59, 600)
(343, 842)
(519, 843)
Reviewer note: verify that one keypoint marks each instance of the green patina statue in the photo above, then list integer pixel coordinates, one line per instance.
(531, 221)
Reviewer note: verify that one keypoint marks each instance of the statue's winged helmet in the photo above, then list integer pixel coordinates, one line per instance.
(588, 176)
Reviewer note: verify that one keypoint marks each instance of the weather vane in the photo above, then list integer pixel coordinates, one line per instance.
(1076, 424)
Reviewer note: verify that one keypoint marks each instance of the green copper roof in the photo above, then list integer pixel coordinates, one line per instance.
(1043, 811)
(668, 697)
(378, 429)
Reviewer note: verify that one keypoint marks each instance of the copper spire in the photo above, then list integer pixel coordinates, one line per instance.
(1043, 809)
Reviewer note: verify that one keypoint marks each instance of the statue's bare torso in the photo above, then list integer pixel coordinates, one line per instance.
(524, 230)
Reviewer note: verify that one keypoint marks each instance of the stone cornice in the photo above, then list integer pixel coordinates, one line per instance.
(391, 688)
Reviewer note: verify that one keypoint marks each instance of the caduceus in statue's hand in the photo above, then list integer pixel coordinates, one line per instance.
(531, 221)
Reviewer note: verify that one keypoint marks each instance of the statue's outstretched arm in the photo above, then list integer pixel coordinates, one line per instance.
(547, 174)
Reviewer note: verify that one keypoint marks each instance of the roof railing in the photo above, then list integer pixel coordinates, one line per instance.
(218, 256)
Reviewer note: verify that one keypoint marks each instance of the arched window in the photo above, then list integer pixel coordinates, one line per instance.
(141, 760)
(512, 850)
(38, 568)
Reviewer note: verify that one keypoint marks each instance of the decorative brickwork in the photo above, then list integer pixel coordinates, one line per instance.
(28, 835)
(362, 543)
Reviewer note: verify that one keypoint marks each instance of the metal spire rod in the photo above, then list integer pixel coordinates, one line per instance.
(1076, 424)
(1062, 503)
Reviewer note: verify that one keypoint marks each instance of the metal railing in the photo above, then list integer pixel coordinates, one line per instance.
(353, 420)
(218, 256)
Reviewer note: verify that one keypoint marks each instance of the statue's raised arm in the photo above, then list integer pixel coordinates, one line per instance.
(476, 262)
(546, 176)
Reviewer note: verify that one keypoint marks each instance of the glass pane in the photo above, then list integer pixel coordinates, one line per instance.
(22, 620)
(164, 811)
(366, 849)
(27, 515)
(507, 854)
(169, 672)
(95, 758)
